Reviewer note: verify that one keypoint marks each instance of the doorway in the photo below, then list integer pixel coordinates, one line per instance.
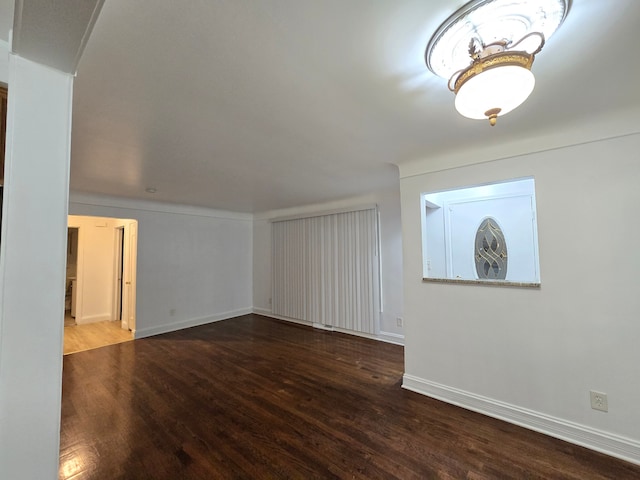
(71, 284)
(101, 282)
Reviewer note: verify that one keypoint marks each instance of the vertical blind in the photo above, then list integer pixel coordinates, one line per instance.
(325, 270)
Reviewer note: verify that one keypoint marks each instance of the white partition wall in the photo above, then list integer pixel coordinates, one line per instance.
(326, 270)
(32, 269)
(526, 355)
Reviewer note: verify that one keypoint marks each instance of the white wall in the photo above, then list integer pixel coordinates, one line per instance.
(532, 355)
(388, 202)
(32, 269)
(194, 264)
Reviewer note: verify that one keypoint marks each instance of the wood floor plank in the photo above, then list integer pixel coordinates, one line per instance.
(78, 338)
(254, 398)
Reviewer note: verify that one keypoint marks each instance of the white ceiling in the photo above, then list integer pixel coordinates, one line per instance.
(253, 105)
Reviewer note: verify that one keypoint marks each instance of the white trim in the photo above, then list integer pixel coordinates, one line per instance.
(598, 440)
(620, 123)
(322, 326)
(97, 8)
(387, 337)
(390, 337)
(322, 213)
(93, 319)
(311, 210)
(192, 322)
(267, 313)
(150, 206)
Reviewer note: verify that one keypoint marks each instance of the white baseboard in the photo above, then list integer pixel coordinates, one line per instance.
(192, 322)
(600, 441)
(391, 337)
(382, 336)
(93, 319)
(267, 313)
(322, 326)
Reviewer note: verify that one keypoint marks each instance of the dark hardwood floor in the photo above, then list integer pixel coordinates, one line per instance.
(262, 399)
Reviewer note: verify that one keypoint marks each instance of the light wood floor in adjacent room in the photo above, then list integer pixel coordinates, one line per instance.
(78, 338)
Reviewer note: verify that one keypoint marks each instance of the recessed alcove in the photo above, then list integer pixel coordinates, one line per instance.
(484, 233)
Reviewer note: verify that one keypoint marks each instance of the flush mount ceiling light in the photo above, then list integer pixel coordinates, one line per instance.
(486, 50)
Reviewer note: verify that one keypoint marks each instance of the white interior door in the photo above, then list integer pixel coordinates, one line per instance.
(129, 276)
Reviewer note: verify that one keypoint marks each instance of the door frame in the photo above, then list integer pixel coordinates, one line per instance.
(124, 262)
(129, 274)
(118, 275)
(79, 270)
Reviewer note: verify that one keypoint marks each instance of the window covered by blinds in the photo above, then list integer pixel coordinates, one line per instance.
(325, 270)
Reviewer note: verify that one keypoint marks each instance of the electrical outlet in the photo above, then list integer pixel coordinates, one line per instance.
(269, 300)
(399, 321)
(172, 312)
(599, 401)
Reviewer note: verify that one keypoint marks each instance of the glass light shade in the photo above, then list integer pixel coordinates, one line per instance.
(505, 88)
